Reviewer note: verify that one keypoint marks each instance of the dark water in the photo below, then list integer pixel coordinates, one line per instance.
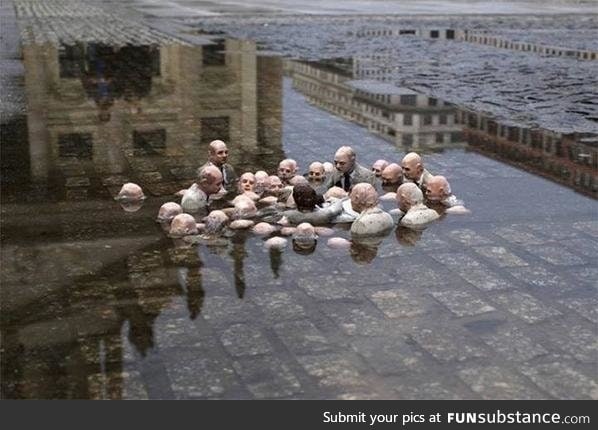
(98, 303)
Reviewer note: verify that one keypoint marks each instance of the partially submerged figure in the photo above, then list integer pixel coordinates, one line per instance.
(287, 169)
(410, 200)
(347, 171)
(218, 157)
(413, 170)
(378, 167)
(438, 191)
(167, 213)
(372, 220)
(130, 197)
(183, 225)
(246, 186)
(209, 182)
(308, 211)
(305, 238)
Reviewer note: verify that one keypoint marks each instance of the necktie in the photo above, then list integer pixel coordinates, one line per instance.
(347, 182)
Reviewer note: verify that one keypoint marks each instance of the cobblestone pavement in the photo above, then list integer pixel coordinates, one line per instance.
(501, 304)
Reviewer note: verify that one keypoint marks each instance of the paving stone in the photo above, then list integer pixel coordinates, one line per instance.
(357, 320)
(279, 306)
(583, 246)
(577, 340)
(540, 277)
(469, 237)
(193, 374)
(587, 227)
(78, 181)
(492, 382)
(114, 180)
(500, 256)
(447, 344)
(335, 370)
(302, 337)
(126, 385)
(585, 306)
(511, 343)
(555, 254)
(389, 355)
(462, 303)
(267, 377)
(400, 303)
(240, 340)
(182, 332)
(472, 271)
(225, 310)
(587, 275)
(518, 235)
(526, 307)
(420, 274)
(327, 287)
(562, 381)
(428, 391)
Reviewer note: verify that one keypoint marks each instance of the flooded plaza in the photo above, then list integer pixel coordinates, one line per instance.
(98, 303)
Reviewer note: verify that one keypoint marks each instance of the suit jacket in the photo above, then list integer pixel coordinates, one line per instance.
(358, 175)
(423, 180)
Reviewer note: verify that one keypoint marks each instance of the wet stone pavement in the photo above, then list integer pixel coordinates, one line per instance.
(98, 303)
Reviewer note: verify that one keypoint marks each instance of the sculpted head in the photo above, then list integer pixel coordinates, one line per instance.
(378, 167)
(437, 188)
(183, 225)
(298, 179)
(304, 238)
(363, 196)
(344, 159)
(215, 222)
(412, 166)
(335, 192)
(130, 192)
(392, 175)
(316, 171)
(276, 185)
(244, 207)
(210, 180)
(217, 152)
(328, 167)
(287, 169)
(262, 182)
(167, 212)
(409, 195)
(306, 197)
(246, 182)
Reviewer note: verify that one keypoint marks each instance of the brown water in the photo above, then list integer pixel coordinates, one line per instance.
(98, 303)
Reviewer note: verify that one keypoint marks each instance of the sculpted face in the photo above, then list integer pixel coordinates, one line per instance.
(211, 180)
(392, 174)
(316, 171)
(262, 182)
(363, 196)
(276, 185)
(183, 225)
(407, 195)
(168, 211)
(437, 188)
(247, 182)
(218, 153)
(344, 161)
(286, 169)
(412, 166)
(378, 167)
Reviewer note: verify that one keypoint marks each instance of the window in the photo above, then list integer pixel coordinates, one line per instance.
(150, 142)
(407, 139)
(427, 119)
(434, 34)
(432, 101)
(408, 100)
(77, 145)
(450, 34)
(442, 119)
(213, 55)
(439, 138)
(70, 60)
(407, 119)
(215, 128)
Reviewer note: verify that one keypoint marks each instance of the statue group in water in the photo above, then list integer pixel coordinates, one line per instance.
(303, 207)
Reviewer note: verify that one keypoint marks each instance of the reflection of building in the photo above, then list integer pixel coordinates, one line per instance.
(143, 111)
(400, 115)
(569, 159)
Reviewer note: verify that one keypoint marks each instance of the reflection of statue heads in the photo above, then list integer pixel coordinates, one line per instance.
(218, 152)
(305, 197)
(316, 171)
(344, 159)
(409, 195)
(247, 182)
(183, 225)
(167, 212)
(304, 238)
(364, 250)
(408, 236)
(287, 169)
(210, 180)
(378, 167)
(412, 166)
(335, 192)
(437, 188)
(363, 196)
(392, 175)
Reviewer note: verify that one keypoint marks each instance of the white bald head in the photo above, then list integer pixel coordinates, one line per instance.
(409, 195)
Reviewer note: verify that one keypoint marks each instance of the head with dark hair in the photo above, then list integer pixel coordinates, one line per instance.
(306, 197)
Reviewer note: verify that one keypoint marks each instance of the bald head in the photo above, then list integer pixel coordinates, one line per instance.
(412, 166)
(316, 171)
(344, 159)
(217, 152)
(437, 188)
(378, 167)
(409, 195)
(392, 175)
(363, 196)
(210, 180)
(287, 169)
